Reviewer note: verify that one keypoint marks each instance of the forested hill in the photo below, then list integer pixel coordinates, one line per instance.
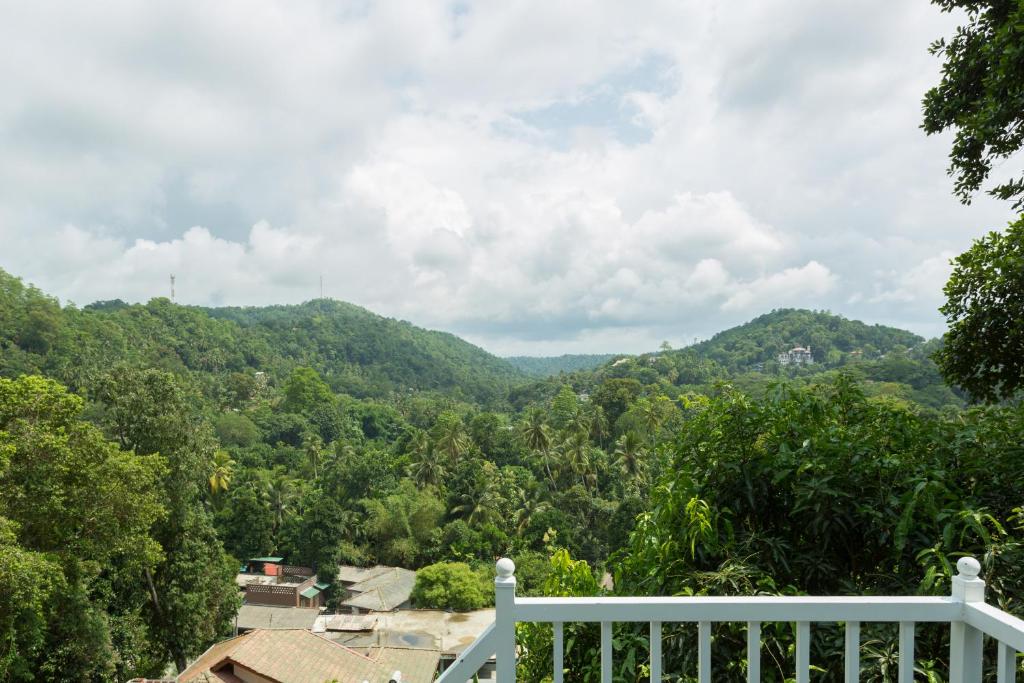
(546, 366)
(357, 352)
(885, 360)
(830, 337)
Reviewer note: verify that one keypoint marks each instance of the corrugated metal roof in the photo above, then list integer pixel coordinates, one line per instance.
(262, 616)
(383, 592)
(310, 592)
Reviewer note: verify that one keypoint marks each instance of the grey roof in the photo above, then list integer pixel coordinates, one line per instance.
(262, 616)
(383, 592)
(349, 574)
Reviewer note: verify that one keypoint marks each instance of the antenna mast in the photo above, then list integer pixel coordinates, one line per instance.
(172, 287)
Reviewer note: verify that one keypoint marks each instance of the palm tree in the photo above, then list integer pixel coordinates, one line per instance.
(530, 504)
(629, 454)
(481, 504)
(280, 494)
(451, 438)
(314, 447)
(537, 437)
(577, 454)
(220, 478)
(535, 432)
(427, 469)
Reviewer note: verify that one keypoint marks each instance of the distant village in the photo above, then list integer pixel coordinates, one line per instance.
(376, 636)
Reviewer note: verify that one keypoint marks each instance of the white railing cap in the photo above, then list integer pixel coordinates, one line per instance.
(505, 568)
(968, 567)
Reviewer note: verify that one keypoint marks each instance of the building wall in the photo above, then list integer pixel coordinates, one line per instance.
(282, 596)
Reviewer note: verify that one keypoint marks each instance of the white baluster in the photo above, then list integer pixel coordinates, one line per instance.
(852, 664)
(803, 652)
(704, 652)
(558, 656)
(655, 652)
(1006, 671)
(906, 670)
(753, 652)
(965, 641)
(606, 652)
(505, 619)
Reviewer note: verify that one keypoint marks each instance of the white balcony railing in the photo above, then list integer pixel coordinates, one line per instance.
(969, 619)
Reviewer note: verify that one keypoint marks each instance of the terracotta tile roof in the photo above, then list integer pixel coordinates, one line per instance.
(298, 656)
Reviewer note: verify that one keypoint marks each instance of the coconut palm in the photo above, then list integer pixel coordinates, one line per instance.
(427, 469)
(280, 493)
(535, 432)
(530, 503)
(537, 436)
(482, 503)
(220, 478)
(450, 438)
(629, 455)
(314, 447)
(576, 451)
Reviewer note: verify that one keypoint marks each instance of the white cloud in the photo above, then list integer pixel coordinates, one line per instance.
(529, 175)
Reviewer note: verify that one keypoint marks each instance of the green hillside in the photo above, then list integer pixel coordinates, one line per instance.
(546, 366)
(885, 360)
(357, 352)
(830, 337)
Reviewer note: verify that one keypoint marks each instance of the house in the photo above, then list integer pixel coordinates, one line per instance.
(268, 581)
(376, 589)
(300, 656)
(796, 356)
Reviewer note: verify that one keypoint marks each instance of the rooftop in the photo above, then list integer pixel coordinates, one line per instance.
(448, 632)
(383, 591)
(299, 656)
(265, 617)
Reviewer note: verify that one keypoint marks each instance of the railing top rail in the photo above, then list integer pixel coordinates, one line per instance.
(755, 608)
(995, 623)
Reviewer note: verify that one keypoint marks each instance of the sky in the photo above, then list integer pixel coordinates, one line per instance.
(538, 177)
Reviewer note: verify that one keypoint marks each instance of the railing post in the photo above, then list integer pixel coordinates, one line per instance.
(505, 619)
(965, 642)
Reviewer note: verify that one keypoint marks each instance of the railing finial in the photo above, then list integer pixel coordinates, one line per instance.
(968, 567)
(505, 568)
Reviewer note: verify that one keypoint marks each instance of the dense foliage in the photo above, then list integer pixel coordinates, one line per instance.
(284, 431)
(984, 348)
(981, 94)
(546, 366)
(454, 586)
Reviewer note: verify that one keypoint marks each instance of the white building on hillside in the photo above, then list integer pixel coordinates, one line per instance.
(796, 356)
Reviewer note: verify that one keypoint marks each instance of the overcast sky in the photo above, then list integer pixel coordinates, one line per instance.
(538, 177)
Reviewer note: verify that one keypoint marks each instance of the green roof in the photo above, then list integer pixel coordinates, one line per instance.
(310, 592)
(267, 559)
(322, 586)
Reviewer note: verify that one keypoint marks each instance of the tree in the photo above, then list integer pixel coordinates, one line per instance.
(629, 454)
(426, 468)
(193, 598)
(451, 585)
(304, 392)
(537, 437)
(981, 94)
(220, 477)
(313, 445)
(984, 348)
(450, 436)
(75, 516)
